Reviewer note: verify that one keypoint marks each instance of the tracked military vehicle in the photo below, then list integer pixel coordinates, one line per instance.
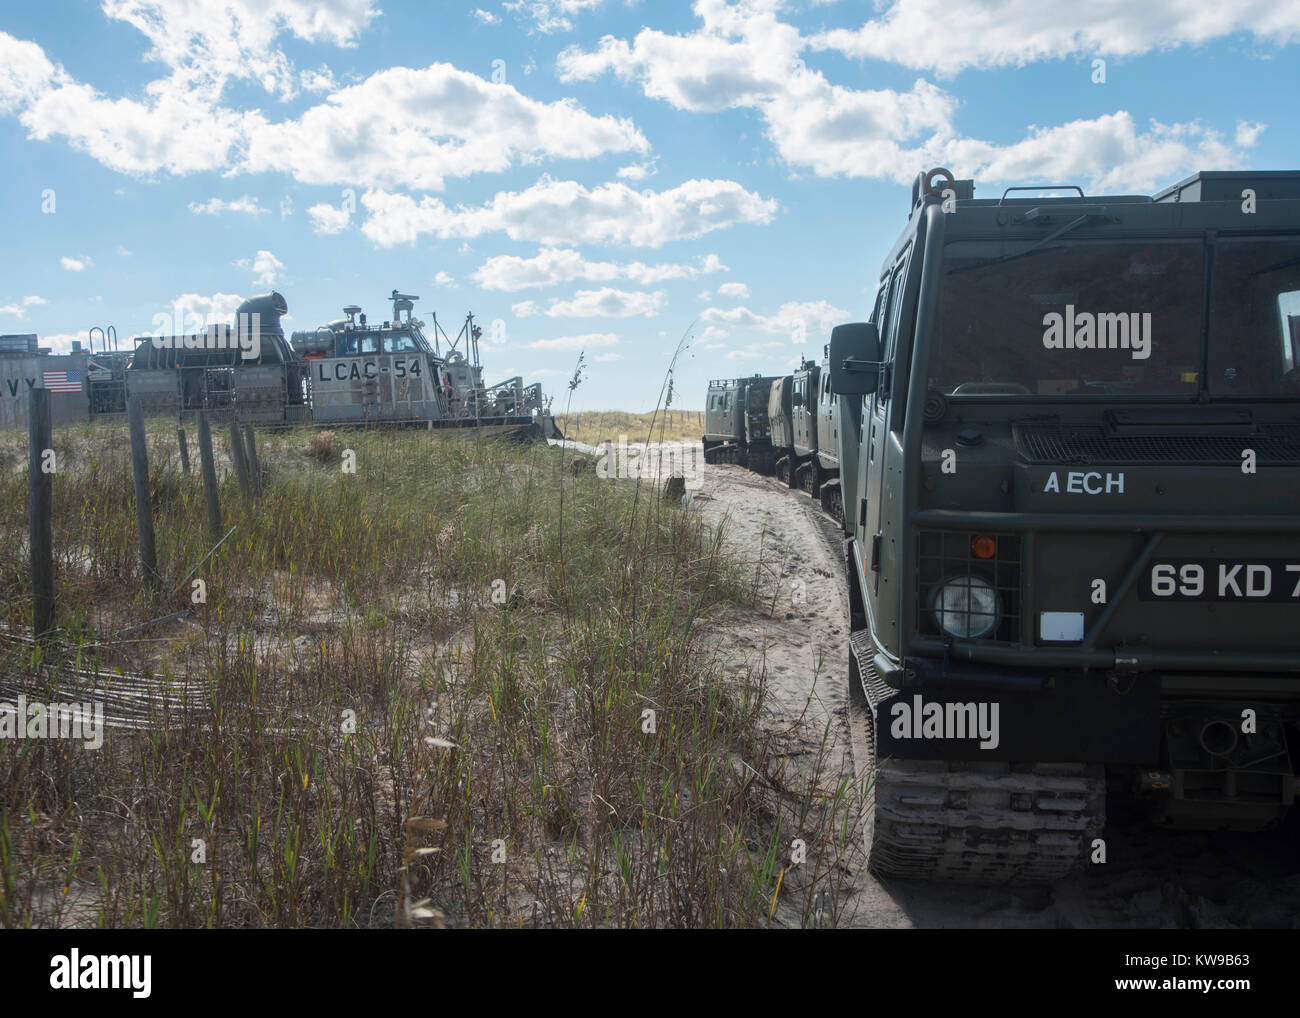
(1073, 504)
(736, 425)
(782, 405)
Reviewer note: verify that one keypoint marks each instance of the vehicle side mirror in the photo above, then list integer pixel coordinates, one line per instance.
(855, 359)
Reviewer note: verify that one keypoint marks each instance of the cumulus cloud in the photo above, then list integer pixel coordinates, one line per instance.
(636, 171)
(215, 206)
(744, 57)
(192, 311)
(327, 219)
(583, 342)
(413, 128)
(78, 264)
(948, 36)
(606, 302)
(562, 265)
(400, 127)
(566, 212)
(207, 43)
(19, 310)
(737, 290)
(756, 351)
(800, 320)
(548, 16)
(266, 267)
(61, 342)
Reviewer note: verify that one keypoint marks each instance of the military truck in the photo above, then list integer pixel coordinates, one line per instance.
(794, 426)
(1073, 505)
(736, 426)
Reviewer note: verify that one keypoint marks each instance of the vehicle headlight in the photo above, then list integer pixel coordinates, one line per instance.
(966, 607)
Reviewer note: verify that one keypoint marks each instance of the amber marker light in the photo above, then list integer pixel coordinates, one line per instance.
(983, 546)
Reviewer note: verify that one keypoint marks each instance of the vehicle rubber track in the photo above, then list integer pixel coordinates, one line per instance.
(728, 452)
(974, 822)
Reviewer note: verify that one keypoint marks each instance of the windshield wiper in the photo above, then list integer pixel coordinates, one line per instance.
(1037, 247)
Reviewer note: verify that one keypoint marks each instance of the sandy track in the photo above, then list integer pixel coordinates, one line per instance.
(1153, 878)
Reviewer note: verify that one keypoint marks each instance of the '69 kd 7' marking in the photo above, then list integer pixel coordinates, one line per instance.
(1222, 580)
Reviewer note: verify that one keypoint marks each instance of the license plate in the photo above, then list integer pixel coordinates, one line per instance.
(1211, 579)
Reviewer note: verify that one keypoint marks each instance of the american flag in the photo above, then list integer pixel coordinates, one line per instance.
(62, 381)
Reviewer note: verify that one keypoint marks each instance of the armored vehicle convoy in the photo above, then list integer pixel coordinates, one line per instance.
(1073, 509)
(736, 427)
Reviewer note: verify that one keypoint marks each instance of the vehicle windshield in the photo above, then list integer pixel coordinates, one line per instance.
(1118, 319)
(758, 397)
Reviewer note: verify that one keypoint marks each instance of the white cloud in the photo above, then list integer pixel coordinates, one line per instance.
(566, 212)
(756, 351)
(215, 206)
(123, 251)
(326, 219)
(444, 279)
(206, 43)
(19, 310)
(61, 342)
(744, 57)
(606, 302)
(486, 17)
(265, 266)
(636, 171)
(400, 127)
(582, 342)
(948, 36)
(802, 321)
(286, 206)
(737, 290)
(550, 16)
(413, 128)
(189, 312)
(78, 264)
(562, 265)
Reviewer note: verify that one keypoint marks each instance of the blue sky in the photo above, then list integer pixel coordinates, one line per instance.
(593, 175)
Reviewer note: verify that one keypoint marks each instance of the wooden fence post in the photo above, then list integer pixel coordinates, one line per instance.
(209, 467)
(143, 504)
(40, 511)
(240, 460)
(254, 464)
(185, 450)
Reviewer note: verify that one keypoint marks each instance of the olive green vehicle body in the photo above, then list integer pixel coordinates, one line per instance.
(1133, 598)
(736, 425)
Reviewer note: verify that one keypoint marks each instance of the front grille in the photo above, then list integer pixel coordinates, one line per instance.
(1279, 443)
(946, 554)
